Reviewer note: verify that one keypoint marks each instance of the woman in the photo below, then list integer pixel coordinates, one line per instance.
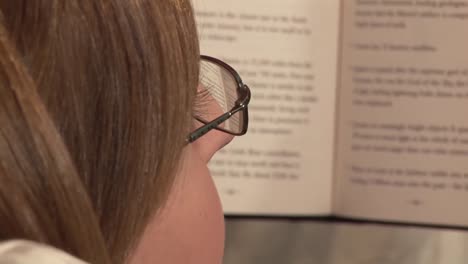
(98, 98)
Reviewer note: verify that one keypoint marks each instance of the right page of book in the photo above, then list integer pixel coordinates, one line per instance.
(402, 137)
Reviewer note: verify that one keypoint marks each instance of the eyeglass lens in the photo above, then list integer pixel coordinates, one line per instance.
(221, 95)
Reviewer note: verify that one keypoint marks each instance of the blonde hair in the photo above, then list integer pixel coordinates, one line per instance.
(115, 81)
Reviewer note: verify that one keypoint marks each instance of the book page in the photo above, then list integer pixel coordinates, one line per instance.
(285, 51)
(403, 130)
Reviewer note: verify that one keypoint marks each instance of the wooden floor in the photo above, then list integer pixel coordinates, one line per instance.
(283, 242)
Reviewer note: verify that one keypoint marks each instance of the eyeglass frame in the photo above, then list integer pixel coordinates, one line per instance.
(241, 104)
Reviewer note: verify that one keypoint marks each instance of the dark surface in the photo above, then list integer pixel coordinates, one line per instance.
(257, 241)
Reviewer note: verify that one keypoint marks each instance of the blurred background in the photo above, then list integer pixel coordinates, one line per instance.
(305, 60)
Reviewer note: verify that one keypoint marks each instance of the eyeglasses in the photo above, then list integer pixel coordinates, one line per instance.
(226, 98)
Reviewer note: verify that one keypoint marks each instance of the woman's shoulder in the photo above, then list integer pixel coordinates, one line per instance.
(26, 252)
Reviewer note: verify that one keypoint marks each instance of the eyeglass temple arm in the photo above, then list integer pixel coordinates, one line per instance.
(211, 125)
(206, 128)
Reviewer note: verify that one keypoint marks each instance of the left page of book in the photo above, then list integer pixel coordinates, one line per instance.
(286, 52)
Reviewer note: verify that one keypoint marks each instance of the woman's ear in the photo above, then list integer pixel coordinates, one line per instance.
(209, 144)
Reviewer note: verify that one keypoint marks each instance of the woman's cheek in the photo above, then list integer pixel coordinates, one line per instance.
(190, 229)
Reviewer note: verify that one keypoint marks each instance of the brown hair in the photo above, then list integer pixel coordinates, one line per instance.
(118, 79)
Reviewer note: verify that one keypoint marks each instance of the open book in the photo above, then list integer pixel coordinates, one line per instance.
(359, 108)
